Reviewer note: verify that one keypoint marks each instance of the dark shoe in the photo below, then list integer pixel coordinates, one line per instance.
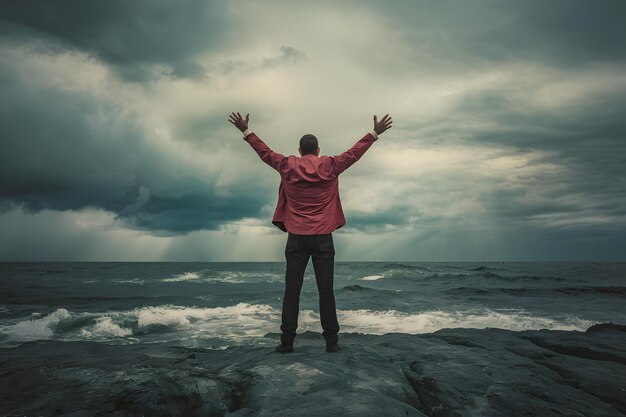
(284, 348)
(332, 347)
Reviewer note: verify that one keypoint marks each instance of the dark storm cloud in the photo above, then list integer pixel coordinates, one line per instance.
(399, 216)
(587, 138)
(129, 35)
(563, 31)
(396, 216)
(463, 34)
(62, 150)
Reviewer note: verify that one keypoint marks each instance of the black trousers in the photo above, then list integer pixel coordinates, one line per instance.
(297, 252)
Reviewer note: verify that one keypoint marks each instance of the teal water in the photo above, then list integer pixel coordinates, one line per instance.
(222, 304)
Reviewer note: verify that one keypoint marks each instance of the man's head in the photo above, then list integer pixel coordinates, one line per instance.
(309, 145)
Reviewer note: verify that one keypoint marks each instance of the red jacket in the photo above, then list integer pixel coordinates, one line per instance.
(308, 195)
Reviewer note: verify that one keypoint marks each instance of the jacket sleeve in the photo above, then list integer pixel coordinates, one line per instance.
(345, 160)
(271, 158)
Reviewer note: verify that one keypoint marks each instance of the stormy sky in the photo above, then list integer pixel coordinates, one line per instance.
(508, 140)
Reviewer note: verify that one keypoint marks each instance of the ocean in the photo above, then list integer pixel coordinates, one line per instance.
(225, 304)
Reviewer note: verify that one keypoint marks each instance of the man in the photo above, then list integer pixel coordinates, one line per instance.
(309, 210)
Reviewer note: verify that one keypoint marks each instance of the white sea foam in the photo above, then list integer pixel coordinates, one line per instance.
(129, 281)
(372, 277)
(36, 327)
(231, 322)
(391, 321)
(239, 277)
(105, 327)
(232, 277)
(235, 323)
(186, 276)
(239, 320)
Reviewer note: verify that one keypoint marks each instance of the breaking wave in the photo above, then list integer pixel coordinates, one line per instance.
(243, 321)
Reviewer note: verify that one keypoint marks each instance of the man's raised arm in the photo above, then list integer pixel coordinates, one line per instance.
(349, 157)
(273, 159)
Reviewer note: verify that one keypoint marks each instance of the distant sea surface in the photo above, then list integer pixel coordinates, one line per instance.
(223, 304)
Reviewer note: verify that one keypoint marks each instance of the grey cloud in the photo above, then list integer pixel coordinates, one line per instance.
(587, 139)
(287, 56)
(398, 216)
(142, 199)
(195, 129)
(54, 155)
(131, 36)
(479, 33)
(190, 70)
(591, 134)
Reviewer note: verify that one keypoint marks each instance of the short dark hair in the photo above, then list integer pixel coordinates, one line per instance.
(308, 144)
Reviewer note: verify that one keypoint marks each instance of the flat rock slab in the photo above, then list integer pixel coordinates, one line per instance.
(452, 372)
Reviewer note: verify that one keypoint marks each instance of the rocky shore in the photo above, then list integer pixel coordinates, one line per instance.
(452, 372)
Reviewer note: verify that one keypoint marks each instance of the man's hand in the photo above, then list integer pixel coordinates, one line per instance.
(239, 122)
(384, 124)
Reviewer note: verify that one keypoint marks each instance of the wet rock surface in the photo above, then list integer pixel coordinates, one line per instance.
(452, 372)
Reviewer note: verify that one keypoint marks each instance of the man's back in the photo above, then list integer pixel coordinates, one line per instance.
(308, 195)
(310, 186)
